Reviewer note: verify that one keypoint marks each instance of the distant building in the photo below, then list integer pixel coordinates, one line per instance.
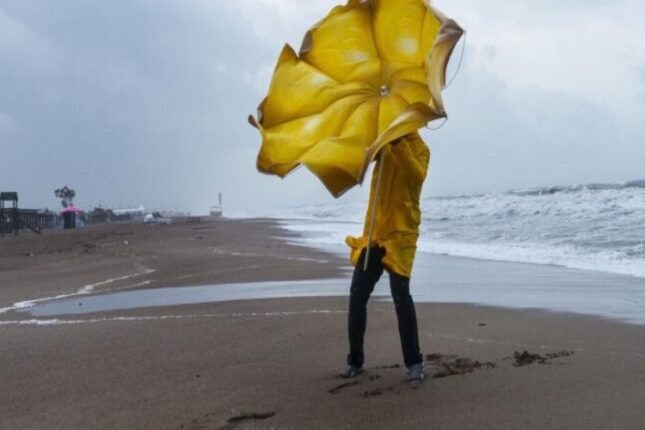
(129, 214)
(99, 215)
(131, 211)
(217, 211)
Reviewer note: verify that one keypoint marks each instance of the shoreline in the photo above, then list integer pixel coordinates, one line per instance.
(294, 225)
(124, 256)
(437, 278)
(271, 363)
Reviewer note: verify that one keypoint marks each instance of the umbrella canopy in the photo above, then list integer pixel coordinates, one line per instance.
(71, 208)
(369, 73)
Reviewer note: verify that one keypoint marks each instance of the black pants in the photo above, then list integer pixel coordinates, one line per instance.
(363, 283)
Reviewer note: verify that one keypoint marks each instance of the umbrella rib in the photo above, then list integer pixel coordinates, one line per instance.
(358, 105)
(378, 52)
(354, 79)
(317, 113)
(423, 23)
(410, 81)
(401, 98)
(378, 116)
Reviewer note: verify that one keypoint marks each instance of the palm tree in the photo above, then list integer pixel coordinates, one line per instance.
(66, 195)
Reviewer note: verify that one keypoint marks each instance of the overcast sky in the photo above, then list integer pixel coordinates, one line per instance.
(145, 101)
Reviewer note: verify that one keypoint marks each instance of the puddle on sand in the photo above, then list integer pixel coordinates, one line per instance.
(174, 296)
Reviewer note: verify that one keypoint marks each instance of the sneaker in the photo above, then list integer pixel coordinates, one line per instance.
(416, 372)
(350, 371)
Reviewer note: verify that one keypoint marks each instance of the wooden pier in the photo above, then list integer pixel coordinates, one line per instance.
(13, 219)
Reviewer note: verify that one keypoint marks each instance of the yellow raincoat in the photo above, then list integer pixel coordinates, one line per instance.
(398, 214)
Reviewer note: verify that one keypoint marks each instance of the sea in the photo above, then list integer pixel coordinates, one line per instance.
(598, 226)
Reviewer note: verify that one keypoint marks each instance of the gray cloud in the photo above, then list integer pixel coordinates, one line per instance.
(133, 99)
(498, 138)
(143, 101)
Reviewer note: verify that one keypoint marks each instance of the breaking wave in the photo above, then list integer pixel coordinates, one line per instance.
(592, 226)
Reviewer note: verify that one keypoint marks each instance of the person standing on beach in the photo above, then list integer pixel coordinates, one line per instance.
(393, 247)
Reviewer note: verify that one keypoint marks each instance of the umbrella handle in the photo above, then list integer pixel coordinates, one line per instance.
(373, 214)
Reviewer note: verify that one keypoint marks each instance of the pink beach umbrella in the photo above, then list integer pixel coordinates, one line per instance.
(71, 208)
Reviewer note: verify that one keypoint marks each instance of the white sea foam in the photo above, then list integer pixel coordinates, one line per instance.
(84, 290)
(63, 322)
(593, 226)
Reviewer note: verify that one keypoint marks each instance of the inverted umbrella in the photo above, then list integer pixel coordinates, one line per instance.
(369, 73)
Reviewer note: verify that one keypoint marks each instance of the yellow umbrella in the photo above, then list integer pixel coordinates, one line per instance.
(369, 73)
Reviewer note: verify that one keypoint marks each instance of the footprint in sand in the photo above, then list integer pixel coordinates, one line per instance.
(233, 422)
(441, 366)
(205, 421)
(377, 392)
(525, 358)
(337, 389)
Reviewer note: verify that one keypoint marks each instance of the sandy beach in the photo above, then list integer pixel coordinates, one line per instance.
(272, 363)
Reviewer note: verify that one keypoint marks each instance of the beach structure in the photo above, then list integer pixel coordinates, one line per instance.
(99, 215)
(156, 218)
(130, 214)
(217, 211)
(9, 221)
(69, 215)
(12, 218)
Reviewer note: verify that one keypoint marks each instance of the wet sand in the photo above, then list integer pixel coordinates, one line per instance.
(272, 363)
(113, 257)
